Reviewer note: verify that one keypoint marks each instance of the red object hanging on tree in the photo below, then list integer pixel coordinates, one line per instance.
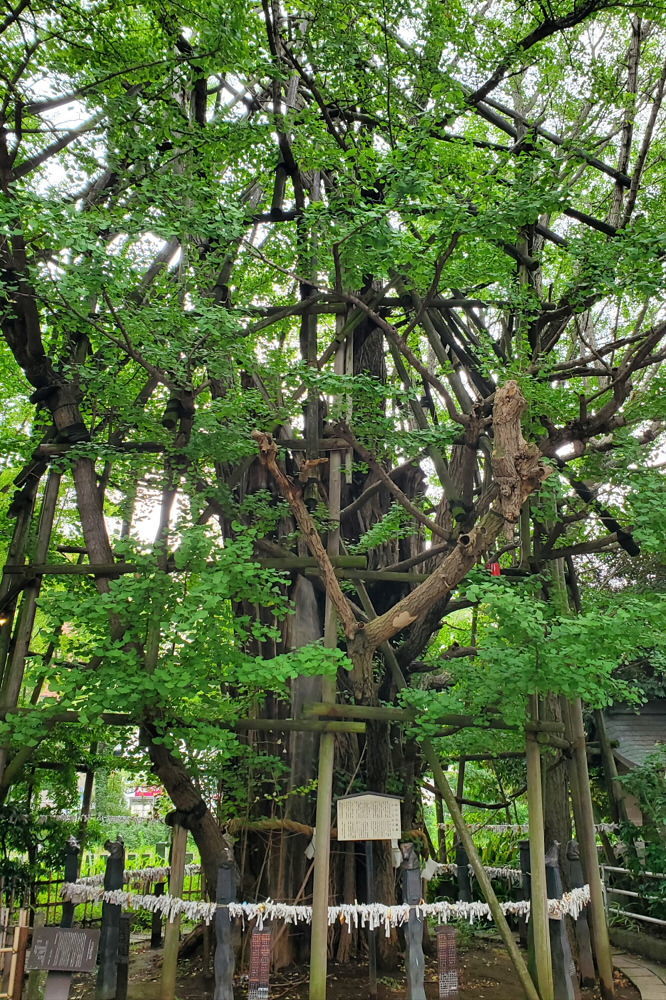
(495, 568)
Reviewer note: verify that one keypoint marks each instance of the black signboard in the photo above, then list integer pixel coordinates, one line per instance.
(62, 949)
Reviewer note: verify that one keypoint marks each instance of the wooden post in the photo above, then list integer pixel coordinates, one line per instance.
(586, 969)
(108, 945)
(525, 890)
(172, 930)
(372, 934)
(122, 978)
(609, 768)
(35, 977)
(582, 801)
(539, 908)
(565, 977)
(462, 875)
(322, 837)
(322, 846)
(156, 922)
(441, 829)
(20, 948)
(225, 893)
(71, 875)
(410, 876)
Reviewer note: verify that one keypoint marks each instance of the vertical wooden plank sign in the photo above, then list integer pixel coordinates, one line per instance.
(411, 894)
(108, 964)
(122, 981)
(224, 951)
(260, 965)
(172, 930)
(447, 962)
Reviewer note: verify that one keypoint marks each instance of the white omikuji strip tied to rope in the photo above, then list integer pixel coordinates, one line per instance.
(523, 827)
(133, 876)
(370, 915)
(512, 875)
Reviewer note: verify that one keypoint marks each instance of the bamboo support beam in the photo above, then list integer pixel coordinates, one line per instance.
(32, 570)
(241, 725)
(584, 816)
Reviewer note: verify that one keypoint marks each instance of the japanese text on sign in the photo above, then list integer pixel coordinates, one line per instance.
(369, 817)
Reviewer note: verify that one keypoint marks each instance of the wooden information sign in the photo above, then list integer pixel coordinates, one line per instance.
(369, 816)
(60, 949)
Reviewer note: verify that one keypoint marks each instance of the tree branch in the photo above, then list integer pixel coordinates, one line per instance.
(268, 450)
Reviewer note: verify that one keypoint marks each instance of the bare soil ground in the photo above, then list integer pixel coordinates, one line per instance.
(485, 974)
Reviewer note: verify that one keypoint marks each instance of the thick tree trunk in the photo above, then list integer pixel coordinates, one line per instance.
(193, 813)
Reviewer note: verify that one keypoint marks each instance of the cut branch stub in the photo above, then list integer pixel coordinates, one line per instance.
(517, 466)
(293, 495)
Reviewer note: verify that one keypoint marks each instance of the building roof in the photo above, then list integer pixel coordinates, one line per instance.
(637, 733)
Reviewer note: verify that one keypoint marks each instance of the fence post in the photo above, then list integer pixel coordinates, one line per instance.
(172, 930)
(585, 959)
(224, 952)
(412, 894)
(156, 922)
(108, 944)
(71, 875)
(565, 978)
(35, 978)
(20, 947)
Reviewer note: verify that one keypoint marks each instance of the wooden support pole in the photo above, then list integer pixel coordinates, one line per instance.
(539, 909)
(410, 877)
(225, 893)
(372, 933)
(172, 930)
(609, 768)
(286, 562)
(298, 725)
(322, 838)
(479, 871)
(525, 893)
(582, 800)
